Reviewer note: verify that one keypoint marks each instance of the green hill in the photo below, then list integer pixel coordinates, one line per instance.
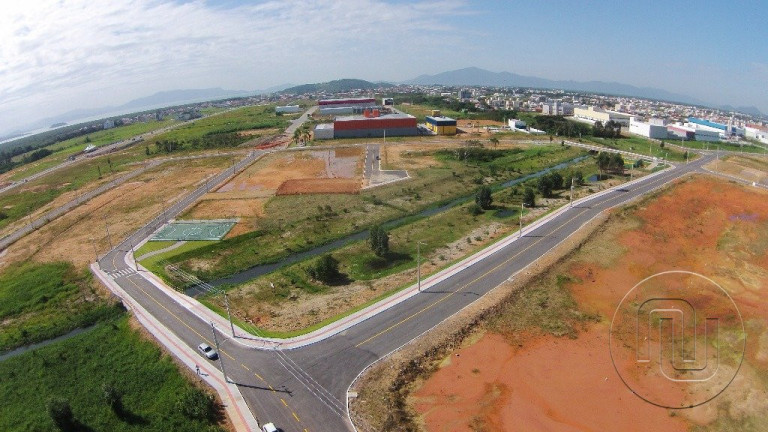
(336, 86)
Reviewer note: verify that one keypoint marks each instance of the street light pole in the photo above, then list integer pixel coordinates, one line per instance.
(520, 233)
(221, 357)
(571, 203)
(418, 263)
(133, 254)
(229, 315)
(106, 226)
(95, 252)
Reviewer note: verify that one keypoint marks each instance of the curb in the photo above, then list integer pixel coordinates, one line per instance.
(237, 410)
(246, 339)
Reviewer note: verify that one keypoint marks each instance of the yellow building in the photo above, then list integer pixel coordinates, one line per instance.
(441, 125)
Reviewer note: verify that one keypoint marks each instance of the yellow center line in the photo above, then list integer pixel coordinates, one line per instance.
(283, 401)
(430, 306)
(295, 416)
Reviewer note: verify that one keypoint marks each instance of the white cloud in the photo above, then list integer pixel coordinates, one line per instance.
(58, 56)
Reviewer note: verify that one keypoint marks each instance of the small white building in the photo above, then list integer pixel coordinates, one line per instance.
(288, 109)
(323, 131)
(516, 124)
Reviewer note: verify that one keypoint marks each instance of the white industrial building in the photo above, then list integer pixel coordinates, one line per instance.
(288, 109)
(647, 130)
(593, 115)
(759, 133)
(516, 124)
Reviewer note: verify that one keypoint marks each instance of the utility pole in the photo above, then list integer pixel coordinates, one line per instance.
(571, 203)
(520, 233)
(106, 226)
(221, 357)
(95, 252)
(229, 315)
(418, 263)
(133, 254)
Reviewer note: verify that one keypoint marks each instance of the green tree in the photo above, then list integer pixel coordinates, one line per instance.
(544, 186)
(578, 178)
(379, 240)
(603, 162)
(557, 180)
(494, 141)
(61, 414)
(616, 163)
(197, 405)
(112, 397)
(529, 198)
(483, 197)
(325, 269)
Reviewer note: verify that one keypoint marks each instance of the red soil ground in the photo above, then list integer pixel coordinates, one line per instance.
(319, 186)
(708, 226)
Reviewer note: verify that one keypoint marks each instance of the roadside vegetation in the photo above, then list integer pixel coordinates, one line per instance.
(216, 132)
(365, 271)
(107, 379)
(42, 301)
(294, 223)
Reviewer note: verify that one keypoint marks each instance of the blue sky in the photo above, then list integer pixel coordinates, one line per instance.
(60, 56)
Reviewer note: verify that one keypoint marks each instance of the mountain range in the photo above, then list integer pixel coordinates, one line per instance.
(341, 85)
(471, 76)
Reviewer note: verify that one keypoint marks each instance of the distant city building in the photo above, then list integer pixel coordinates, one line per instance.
(557, 108)
(288, 109)
(465, 94)
(516, 124)
(387, 102)
(109, 124)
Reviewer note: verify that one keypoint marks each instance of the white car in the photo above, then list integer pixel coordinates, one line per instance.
(208, 351)
(269, 427)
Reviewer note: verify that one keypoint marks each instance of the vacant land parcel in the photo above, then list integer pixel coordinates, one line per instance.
(519, 369)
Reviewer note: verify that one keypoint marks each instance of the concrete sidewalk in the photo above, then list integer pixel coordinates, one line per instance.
(237, 410)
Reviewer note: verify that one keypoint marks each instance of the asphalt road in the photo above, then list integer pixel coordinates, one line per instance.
(305, 388)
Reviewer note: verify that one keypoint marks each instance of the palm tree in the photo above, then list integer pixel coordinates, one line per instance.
(296, 136)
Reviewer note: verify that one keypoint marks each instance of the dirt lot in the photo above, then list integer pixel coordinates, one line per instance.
(752, 168)
(530, 380)
(124, 208)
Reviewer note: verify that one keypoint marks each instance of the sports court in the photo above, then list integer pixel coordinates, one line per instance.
(195, 230)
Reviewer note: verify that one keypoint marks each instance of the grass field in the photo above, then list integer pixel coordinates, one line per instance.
(641, 145)
(89, 173)
(64, 149)
(237, 120)
(366, 278)
(155, 396)
(737, 147)
(42, 301)
(301, 222)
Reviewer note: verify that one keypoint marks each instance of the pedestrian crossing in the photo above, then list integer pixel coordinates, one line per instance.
(122, 272)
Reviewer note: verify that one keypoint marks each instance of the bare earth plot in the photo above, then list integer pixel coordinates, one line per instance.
(286, 173)
(82, 233)
(523, 373)
(752, 168)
